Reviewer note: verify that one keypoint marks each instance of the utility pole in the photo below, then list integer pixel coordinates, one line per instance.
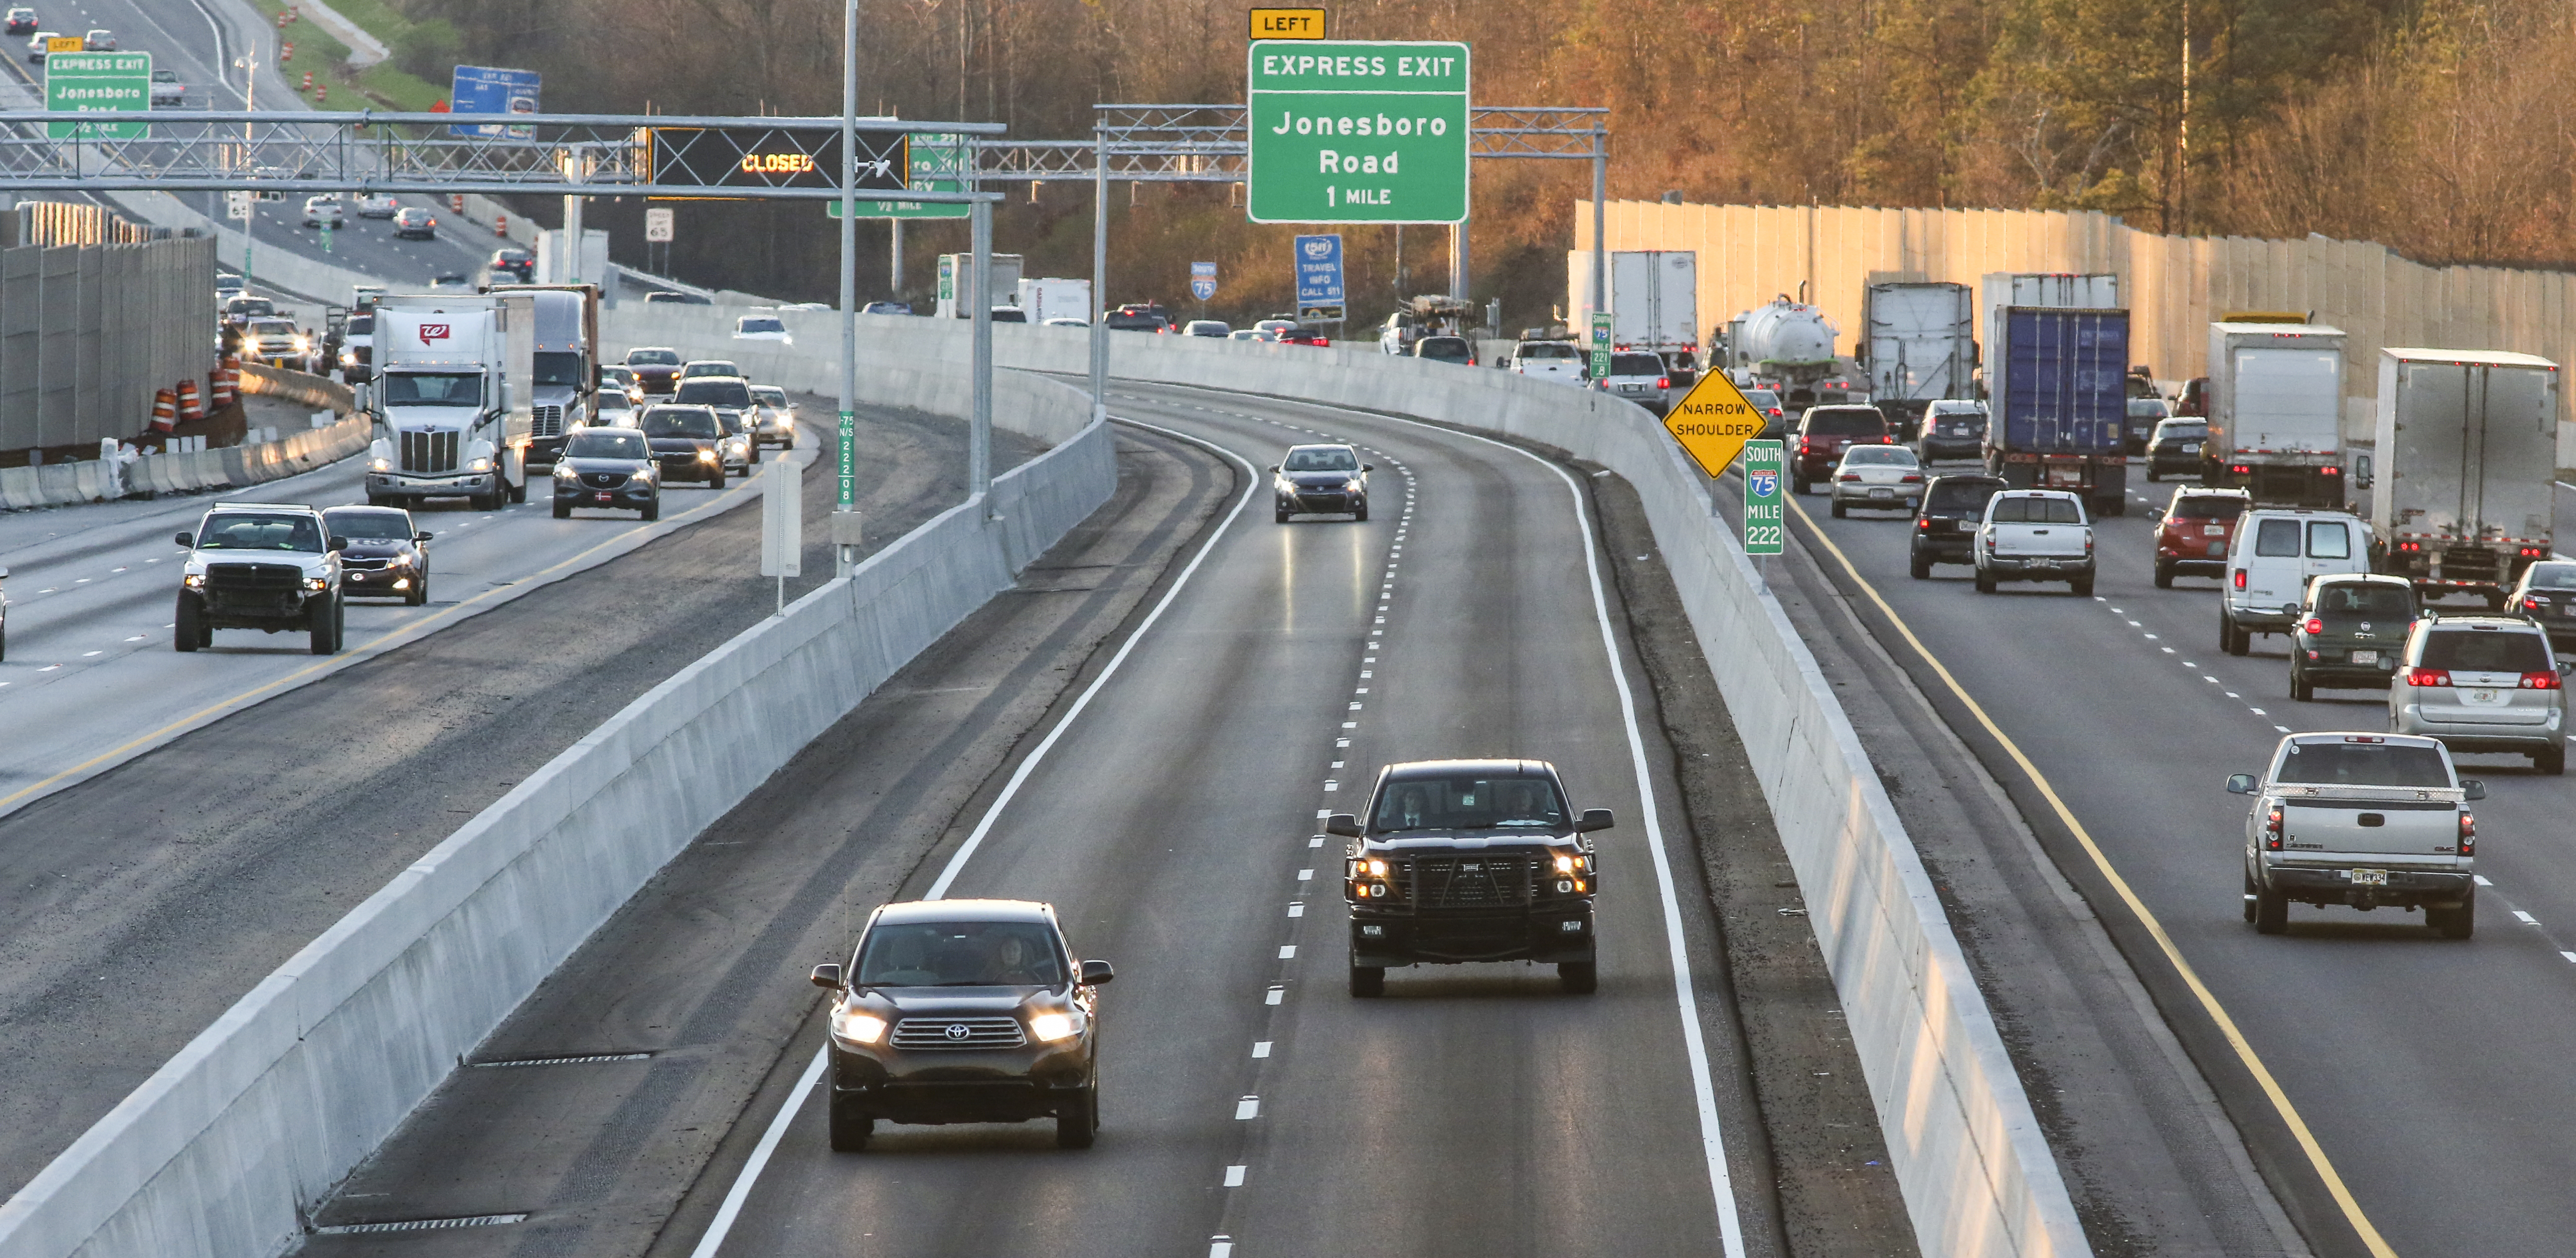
(248, 64)
(845, 517)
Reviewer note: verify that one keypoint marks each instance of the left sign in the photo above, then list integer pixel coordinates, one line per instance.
(96, 83)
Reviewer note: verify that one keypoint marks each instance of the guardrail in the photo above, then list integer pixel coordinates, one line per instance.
(222, 1152)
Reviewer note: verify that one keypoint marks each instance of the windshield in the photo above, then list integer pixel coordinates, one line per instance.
(652, 358)
(1448, 347)
(1324, 459)
(1549, 349)
(2208, 507)
(559, 368)
(2363, 600)
(2149, 408)
(2177, 430)
(601, 443)
(2363, 764)
(1469, 803)
(247, 531)
(748, 324)
(614, 400)
(251, 307)
(769, 394)
(2037, 511)
(434, 388)
(272, 327)
(1955, 498)
(1636, 365)
(2553, 576)
(1845, 421)
(1859, 456)
(673, 421)
(361, 325)
(961, 954)
(2485, 651)
(368, 526)
(1763, 399)
(714, 392)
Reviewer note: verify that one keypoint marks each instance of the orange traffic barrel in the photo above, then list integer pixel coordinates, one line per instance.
(165, 411)
(190, 409)
(227, 381)
(500, 224)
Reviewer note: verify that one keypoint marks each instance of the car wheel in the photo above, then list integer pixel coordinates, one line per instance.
(2151, 476)
(1361, 515)
(1279, 514)
(2458, 923)
(2271, 912)
(1838, 508)
(2300, 690)
(2552, 762)
(322, 627)
(1919, 566)
(1985, 582)
(850, 1128)
(652, 511)
(563, 509)
(1797, 484)
(189, 632)
(2164, 575)
(1578, 978)
(418, 594)
(718, 482)
(1368, 980)
(1078, 1123)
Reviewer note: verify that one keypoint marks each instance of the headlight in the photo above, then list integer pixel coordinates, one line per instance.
(380, 465)
(1566, 864)
(1351, 486)
(315, 585)
(1047, 1028)
(857, 1027)
(563, 471)
(1376, 868)
(399, 561)
(706, 456)
(194, 580)
(479, 465)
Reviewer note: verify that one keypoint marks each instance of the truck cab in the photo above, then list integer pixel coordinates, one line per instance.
(447, 422)
(1470, 860)
(2362, 820)
(562, 367)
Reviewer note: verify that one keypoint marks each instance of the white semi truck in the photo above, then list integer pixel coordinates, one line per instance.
(1918, 345)
(2466, 443)
(1654, 297)
(2275, 399)
(451, 403)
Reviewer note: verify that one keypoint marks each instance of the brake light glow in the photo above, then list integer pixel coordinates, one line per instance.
(2468, 833)
(2329, 471)
(2533, 602)
(1848, 476)
(2540, 681)
(1909, 479)
(2272, 827)
(2315, 625)
(1663, 382)
(1923, 525)
(2427, 677)
(2534, 552)
(2240, 578)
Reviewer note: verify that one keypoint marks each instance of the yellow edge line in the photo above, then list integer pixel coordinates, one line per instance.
(350, 657)
(2307, 1139)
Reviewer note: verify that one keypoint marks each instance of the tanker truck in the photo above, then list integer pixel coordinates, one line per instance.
(1787, 344)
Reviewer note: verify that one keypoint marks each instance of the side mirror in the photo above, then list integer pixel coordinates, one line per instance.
(1343, 824)
(188, 540)
(1274, 467)
(2564, 666)
(2471, 788)
(827, 976)
(1094, 973)
(420, 537)
(1594, 819)
(2155, 515)
(1368, 467)
(336, 543)
(2240, 783)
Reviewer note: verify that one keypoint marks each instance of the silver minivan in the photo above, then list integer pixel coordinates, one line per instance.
(2483, 683)
(2277, 552)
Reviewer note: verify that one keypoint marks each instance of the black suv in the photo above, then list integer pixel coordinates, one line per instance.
(964, 1011)
(1470, 860)
(1945, 526)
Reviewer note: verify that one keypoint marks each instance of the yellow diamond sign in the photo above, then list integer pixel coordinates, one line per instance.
(1713, 422)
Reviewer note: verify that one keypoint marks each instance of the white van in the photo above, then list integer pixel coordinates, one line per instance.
(2277, 552)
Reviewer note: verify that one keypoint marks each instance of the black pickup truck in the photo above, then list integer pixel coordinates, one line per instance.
(1470, 860)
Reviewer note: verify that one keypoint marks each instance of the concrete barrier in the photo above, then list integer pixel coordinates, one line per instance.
(1976, 1172)
(222, 1152)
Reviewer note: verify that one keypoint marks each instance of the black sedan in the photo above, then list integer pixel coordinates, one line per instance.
(387, 557)
(1320, 478)
(2174, 448)
(687, 442)
(611, 469)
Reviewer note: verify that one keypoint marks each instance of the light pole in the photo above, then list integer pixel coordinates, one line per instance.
(845, 520)
(248, 64)
(1099, 270)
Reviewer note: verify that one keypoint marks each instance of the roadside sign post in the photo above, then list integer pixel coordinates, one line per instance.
(1600, 366)
(1713, 424)
(79, 82)
(782, 524)
(1352, 131)
(1318, 262)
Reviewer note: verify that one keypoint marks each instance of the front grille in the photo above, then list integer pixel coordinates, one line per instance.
(1435, 882)
(429, 452)
(365, 565)
(253, 578)
(928, 1033)
(603, 480)
(546, 421)
(363, 354)
(2469, 563)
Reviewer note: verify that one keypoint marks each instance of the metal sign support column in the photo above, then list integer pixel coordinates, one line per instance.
(1600, 218)
(1099, 270)
(846, 552)
(979, 451)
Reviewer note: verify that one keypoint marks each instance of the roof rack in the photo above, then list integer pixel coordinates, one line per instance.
(260, 506)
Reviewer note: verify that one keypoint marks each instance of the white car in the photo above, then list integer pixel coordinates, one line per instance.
(1207, 327)
(2034, 535)
(1066, 321)
(324, 211)
(1877, 478)
(775, 424)
(2276, 553)
(1255, 334)
(1560, 361)
(761, 328)
(167, 89)
(378, 205)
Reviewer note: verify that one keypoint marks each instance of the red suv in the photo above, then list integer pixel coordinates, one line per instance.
(1823, 433)
(2193, 534)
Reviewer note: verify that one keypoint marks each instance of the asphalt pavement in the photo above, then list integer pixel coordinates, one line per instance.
(1163, 793)
(2395, 1089)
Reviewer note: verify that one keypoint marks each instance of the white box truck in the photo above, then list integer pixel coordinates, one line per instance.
(955, 272)
(451, 408)
(1046, 299)
(1654, 297)
(1918, 345)
(2275, 399)
(2466, 443)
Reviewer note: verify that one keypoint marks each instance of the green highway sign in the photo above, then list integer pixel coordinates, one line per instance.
(1349, 131)
(1765, 519)
(936, 163)
(94, 83)
(1600, 345)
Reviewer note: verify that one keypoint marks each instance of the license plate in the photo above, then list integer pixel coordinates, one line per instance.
(2365, 657)
(606, 497)
(1882, 493)
(2369, 877)
(2191, 447)
(2482, 696)
(2213, 530)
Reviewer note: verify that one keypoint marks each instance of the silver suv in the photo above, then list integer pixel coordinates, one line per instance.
(258, 565)
(2483, 683)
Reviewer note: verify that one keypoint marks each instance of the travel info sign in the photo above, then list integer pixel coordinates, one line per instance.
(98, 82)
(1345, 131)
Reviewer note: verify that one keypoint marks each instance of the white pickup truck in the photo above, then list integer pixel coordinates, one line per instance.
(2034, 535)
(1549, 360)
(2361, 820)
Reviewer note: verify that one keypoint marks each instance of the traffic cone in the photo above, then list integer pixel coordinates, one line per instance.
(227, 381)
(284, 16)
(500, 224)
(308, 80)
(321, 92)
(190, 409)
(165, 411)
(456, 203)
(286, 52)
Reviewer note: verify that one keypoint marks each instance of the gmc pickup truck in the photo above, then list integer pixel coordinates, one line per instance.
(2362, 820)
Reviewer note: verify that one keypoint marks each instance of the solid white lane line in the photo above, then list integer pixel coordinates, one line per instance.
(741, 1190)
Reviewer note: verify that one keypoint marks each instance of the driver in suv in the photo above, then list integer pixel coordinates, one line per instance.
(964, 1011)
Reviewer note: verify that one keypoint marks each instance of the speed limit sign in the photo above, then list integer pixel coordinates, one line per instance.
(657, 226)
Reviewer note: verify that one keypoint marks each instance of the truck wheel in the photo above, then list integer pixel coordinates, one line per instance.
(1919, 566)
(2110, 506)
(2164, 575)
(1078, 1123)
(2151, 476)
(190, 631)
(1797, 484)
(2458, 923)
(2552, 762)
(324, 627)
(519, 492)
(1368, 980)
(2250, 892)
(850, 1128)
(2271, 912)
(2300, 690)
(1985, 583)
(1579, 978)
(2082, 587)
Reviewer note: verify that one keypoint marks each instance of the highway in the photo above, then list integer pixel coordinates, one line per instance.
(1164, 798)
(2421, 1066)
(197, 818)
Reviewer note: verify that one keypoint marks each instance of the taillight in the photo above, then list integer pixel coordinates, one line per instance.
(1909, 479)
(1924, 524)
(2427, 677)
(2540, 681)
(2330, 471)
(2240, 578)
(1663, 382)
(1849, 476)
(2272, 827)
(2468, 833)
(2533, 602)
(2315, 625)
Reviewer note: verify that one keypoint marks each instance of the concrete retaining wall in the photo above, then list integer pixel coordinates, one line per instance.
(222, 1151)
(1977, 1174)
(91, 480)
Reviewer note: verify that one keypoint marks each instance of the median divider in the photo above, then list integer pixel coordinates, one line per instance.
(1970, 1158)
(224, 1150)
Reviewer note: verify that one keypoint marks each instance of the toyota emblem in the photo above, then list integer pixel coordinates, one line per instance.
(957, 1030)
